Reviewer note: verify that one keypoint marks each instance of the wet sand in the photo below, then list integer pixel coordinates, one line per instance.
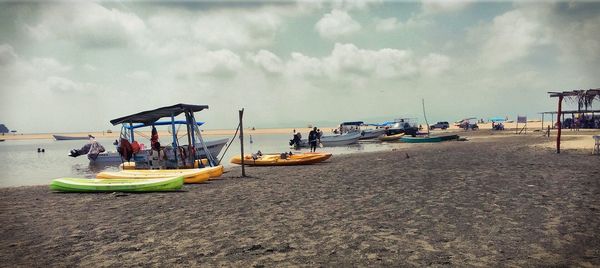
(496, 201)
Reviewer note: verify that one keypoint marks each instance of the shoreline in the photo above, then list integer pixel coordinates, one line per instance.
(486, 202)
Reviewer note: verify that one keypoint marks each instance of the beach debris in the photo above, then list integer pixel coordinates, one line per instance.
(407, 156)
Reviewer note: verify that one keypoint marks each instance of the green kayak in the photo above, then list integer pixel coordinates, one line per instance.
(116, 185)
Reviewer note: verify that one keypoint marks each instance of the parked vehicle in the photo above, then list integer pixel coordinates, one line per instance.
(442, 125)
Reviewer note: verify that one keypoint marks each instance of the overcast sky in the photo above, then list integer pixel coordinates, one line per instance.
(73, 66)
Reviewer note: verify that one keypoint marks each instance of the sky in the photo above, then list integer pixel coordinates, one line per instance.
(73, 66)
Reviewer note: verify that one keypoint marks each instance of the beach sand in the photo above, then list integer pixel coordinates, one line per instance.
(496, 201)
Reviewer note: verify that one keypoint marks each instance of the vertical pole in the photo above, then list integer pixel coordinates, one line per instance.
(542, 121)
(517, 127)
(131, 131)
(241, 112)
(190, 128)
(174, 139)
(425, 116)
(193, 135)
(559, 123)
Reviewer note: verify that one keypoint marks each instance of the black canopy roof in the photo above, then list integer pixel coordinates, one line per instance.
(151, 116)
(352, 123)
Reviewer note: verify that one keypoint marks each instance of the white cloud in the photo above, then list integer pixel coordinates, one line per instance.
(434, 64)
(61, 85)
(218, 63)
(387, 25)
(387, 63)
(267, 61)
(49, 65)
(349, 61)
(392, 24)
(355, 4)
(443, 6)
(7, 55)
(337, 23)
(510, 37)
(90, 68)
(301, 65)
(87, 24)
(139, 75)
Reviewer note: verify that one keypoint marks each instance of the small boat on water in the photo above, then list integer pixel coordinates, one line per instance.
(394, 137)
(436, 138)
(278, 160)
(335, 140)
(358, 126)
(116, 185)
(213, 146)
(66, 138)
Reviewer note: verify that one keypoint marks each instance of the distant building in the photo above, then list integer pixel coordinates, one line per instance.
(3, 129)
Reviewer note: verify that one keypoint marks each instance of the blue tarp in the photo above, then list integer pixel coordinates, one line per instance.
(497, 119)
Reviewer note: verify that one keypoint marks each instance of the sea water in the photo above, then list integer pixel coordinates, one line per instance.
(21, 164)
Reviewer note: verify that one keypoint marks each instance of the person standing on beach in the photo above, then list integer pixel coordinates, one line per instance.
(313, 136)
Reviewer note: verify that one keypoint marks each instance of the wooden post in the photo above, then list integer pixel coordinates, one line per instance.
(559, 123)
(241, 112)
(542, 121)
(425, 115)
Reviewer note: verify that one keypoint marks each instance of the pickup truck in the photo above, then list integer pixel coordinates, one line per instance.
(442, 125)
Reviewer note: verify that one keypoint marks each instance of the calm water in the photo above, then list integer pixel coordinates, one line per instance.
(21, 164)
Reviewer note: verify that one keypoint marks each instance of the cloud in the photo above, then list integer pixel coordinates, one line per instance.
(349, 61)
(337, 23)
(7, 55)
(304, 66)
(510, 37)
(434, 64)
(443, 6)
(139, 75)
(267, 61)
(383, 63)
(355, 4)
(387, 25)
(217, 63)
(87, 24)
(49, 65)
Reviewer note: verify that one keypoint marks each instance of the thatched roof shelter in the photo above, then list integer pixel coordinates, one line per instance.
(584, 99)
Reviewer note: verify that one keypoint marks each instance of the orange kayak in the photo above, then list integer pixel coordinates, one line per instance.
(277, 160)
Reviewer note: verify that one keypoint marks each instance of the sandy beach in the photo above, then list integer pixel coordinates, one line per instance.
(495, 201)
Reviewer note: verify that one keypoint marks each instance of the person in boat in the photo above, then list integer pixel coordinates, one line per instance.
(95, 148)
(295, 141)
(313, 137)
(257, 155)
(157, 157)
(92, 149)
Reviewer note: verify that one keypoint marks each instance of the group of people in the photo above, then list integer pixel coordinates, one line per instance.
(314, 138)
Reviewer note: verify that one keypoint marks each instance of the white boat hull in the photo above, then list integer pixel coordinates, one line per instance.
(372, 133)
(336, 140)
(213, 146)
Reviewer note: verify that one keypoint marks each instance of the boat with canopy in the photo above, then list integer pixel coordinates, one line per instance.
(177, 154)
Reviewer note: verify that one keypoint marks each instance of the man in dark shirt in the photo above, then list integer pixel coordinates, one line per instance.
(313, 136)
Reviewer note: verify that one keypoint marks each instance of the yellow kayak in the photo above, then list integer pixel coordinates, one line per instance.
(192, 175)
(131, 165)
(391, 137)
(276, 160)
